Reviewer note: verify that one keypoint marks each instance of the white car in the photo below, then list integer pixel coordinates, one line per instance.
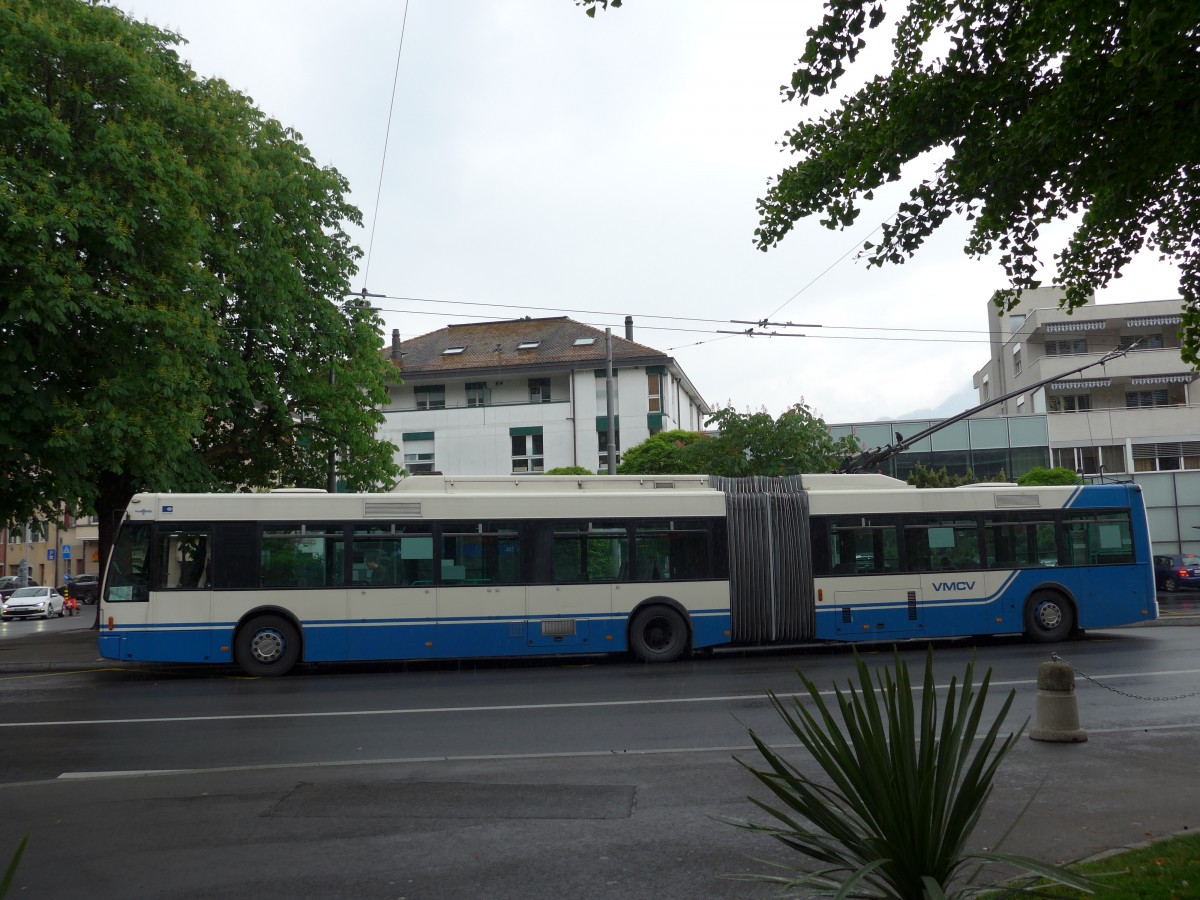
(30, 602)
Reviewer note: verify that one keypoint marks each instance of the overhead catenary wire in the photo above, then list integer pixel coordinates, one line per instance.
(383, 161)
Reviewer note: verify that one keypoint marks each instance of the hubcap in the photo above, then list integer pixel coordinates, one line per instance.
(1049, 615)
(659, 635)
(267, 646)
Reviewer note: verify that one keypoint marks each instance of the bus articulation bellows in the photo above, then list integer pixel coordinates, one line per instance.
(658, 566)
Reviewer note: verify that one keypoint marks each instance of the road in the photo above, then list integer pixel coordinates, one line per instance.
(582, 778)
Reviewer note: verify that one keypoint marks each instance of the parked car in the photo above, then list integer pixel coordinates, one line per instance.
(30, 602)
(1172, 573)
(84, 588)
(10, 583)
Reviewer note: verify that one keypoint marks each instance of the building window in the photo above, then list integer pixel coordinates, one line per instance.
(584, 342)
(1017, 360)
(654, 390)
(430, 396)
(418, 453)
(478, 393)
(986, 390)
(1169, 457)
(527, 453)
(529, 345)
(1103, 460)
(602, 442)
(1144, 341)
(1072, 347)
(539, 390)
(1015, 323)
(1135, 399)
(1071, 403)
(453, 351)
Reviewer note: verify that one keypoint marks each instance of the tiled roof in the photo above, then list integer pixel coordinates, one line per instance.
(493, 346)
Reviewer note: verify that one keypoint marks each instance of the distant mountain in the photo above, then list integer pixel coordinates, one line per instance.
(951, 406)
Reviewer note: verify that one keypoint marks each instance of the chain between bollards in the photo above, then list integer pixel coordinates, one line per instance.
(1106, 687)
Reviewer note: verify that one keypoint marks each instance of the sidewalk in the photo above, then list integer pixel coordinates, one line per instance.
(75, 648)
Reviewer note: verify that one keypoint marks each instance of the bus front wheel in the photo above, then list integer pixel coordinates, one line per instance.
(1049, 618)
(267, 645)
(658, 634)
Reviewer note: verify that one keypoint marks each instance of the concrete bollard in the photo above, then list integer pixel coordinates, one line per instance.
(1057, 709)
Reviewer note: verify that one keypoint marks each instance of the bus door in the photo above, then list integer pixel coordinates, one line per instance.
(480, 590)
(392, 602)
(572, 608)
(876, 594)
(181, 597)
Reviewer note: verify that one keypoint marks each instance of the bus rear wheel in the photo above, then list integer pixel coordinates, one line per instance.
(267, 645)
(1049, 618)
(658, 634)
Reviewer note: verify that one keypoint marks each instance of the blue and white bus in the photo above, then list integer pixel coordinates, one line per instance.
(657, 566)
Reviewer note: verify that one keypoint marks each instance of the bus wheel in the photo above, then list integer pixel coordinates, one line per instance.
(267, 645)
(1049, 618)
(658, 634)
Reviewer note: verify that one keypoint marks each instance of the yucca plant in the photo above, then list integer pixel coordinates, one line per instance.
(904, 793)
(11, 872)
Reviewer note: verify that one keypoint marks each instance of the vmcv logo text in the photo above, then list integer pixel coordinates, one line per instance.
(939, 586)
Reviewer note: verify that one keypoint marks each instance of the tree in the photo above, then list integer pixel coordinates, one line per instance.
(665, 453)
(172, 270)
(1039, 476)
(570, 470)
(1041, 112)
(757, 444)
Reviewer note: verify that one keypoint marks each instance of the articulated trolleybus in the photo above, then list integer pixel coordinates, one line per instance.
(658, 566)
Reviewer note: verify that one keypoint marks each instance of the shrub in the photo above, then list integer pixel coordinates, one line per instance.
(905, 795)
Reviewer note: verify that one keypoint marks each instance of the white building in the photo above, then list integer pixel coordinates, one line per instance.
(1136, 413)
(528, 395)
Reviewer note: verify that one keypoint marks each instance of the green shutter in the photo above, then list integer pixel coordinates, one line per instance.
(418, 435)
(656, 370)
(602, 423)
(529, 429)
(654, 420)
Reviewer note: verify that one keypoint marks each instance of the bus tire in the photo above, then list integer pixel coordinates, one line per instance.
(658, 634)
(1049, 617)
(267, 645)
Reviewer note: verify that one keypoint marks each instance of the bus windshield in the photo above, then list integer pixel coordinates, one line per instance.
(127, 580)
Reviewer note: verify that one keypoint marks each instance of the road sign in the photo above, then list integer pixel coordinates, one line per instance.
(66, 551)
(50, 555)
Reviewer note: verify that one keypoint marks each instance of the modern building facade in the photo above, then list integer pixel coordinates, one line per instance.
(1135, 417)
(528, 395)
(1135, 413)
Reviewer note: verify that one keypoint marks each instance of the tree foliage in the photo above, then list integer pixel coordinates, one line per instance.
(172, 273)
(1041, 476)
(745, 444)
(665, 453)
(1042, 111)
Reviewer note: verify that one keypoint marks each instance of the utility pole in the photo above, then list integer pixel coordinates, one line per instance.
(608, 396)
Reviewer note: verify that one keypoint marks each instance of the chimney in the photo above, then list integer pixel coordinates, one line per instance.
(395, 343)
(629, 328)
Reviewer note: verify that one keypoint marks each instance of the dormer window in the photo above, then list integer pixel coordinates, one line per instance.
(529, 345)
(453, 351)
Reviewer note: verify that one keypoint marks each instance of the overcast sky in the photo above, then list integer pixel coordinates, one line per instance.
(543, 163)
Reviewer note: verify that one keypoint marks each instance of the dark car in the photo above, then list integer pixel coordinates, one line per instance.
(1172, 573)
(84, 588)
(10, 583)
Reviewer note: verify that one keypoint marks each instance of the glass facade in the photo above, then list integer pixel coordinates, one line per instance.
(987, 447)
